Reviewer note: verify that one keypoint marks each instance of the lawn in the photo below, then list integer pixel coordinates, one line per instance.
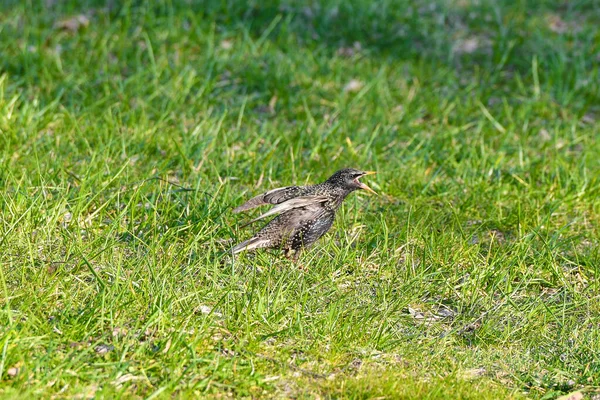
(129, 130)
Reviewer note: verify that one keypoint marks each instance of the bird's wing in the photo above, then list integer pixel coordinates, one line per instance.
(308, 202)
(251, 244)
(307, 208)
(274, 196)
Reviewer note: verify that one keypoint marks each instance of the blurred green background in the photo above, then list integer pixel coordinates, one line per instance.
(129, 129)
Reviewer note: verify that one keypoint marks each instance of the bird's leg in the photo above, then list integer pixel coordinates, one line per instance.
(290, 255)
(293, 256)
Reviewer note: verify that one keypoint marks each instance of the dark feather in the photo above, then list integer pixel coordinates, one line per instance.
(274, 196)
(298, 202)
(250, 244)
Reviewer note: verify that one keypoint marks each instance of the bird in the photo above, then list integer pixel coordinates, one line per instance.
(306, 213)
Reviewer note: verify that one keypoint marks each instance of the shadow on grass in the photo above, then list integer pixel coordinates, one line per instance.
(543, 42)
(483, 32)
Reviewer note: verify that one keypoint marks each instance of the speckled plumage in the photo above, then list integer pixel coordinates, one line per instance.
(306, 213)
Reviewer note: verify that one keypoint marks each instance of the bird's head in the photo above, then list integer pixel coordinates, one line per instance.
(348, 179)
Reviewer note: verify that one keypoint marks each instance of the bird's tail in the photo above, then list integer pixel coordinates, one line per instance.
(250, 244)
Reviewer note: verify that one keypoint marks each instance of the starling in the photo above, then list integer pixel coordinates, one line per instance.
(305, 212)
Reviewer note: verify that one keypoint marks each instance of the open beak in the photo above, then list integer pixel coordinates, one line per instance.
(362, 185)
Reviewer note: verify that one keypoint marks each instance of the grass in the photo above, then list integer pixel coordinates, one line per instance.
(125, 143)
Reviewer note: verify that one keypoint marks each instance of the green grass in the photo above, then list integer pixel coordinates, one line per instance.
(124, 145)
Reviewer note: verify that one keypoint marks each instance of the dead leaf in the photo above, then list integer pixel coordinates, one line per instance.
(588, 118)
(228, 353)
(497, 235)
(466, 46)
(415, 314)
(349, 51)
(353, 86)
(126, 378)
(167, 346)
(73, 24)
(51, 268)
(578, 395)
(544, 135)
(119, 332)
(260, 180)
(470, 328)
(556, 24)
(207, 310)
(104, 348)
(473, 373)
(226, 44)
(356, 364)
(268, 109)
(445, 313)
(427, 316)
(272, 104)
(88, 393)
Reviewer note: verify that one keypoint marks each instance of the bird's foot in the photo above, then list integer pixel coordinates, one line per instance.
(293, 256)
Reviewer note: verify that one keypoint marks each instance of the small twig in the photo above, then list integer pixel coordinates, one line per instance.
(157, 178)
(303, 371)
(41, 260)
(472, 325)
